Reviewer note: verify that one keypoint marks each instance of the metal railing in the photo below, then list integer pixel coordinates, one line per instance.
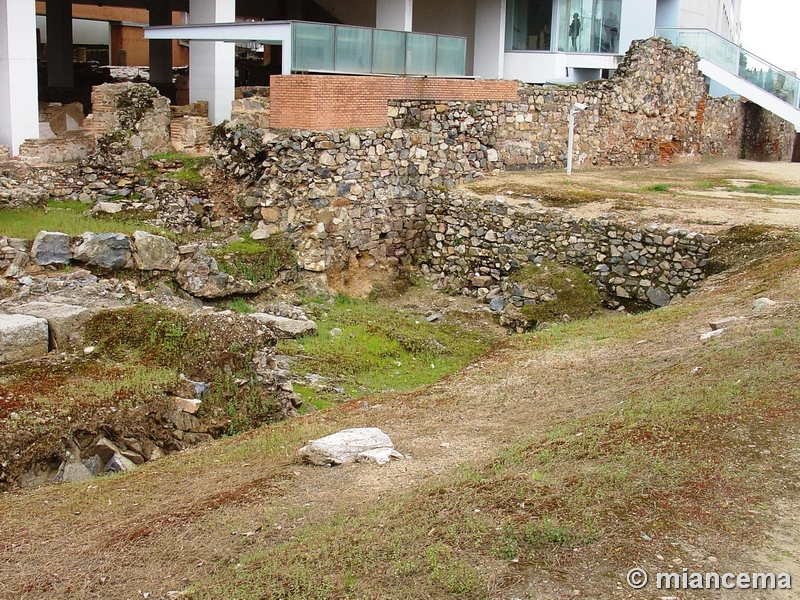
(738, 61)
(323, 48)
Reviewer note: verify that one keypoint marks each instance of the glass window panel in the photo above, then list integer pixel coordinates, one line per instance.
(451, 57)
(389, 52)
(609, 16)
(420, 54)
(528, 25)
(575, 25)
(353, 49)
(312, 47)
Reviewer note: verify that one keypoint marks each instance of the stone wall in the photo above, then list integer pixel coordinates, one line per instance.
(379, 197)
(723, 122)
(251, 106)
(73, 146)
(649, 112)
(474, 243)
(766, 136)
(357, 198)
(134, 109)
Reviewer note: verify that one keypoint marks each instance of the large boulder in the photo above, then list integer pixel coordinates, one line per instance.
(154, 252)
(106, 250)
(22, 337)
(65, 321)
(51, 248)
(200, 276)
(347, 446)
(285, 328)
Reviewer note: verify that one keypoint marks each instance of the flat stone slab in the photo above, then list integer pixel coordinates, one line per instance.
(347, 446)
(285, 328)
(722, 323)
(65, 321)
(23, 337)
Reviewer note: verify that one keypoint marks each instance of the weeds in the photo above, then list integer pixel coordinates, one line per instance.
(256, 260)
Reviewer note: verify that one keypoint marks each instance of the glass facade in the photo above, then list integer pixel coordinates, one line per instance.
(529, 24)
(318, 47)
(589, 25)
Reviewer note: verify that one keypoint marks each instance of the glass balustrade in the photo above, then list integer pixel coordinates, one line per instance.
(319, 47)
(738, 61)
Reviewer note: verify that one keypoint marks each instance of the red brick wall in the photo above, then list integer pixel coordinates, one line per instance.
(321, 102)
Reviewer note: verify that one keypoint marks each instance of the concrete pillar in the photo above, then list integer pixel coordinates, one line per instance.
(59, 44)
(490, 38)
(160, 50)
(211, 64)
(19, 93)
(395, 14)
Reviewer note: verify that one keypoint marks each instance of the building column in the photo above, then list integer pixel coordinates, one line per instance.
(395, 14)
(211, 64)
(160, 50)
(59, 44)
(490, 38)
(19, 92)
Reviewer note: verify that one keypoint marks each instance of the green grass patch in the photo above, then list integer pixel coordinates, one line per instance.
(658, 187)
(377, 349)
(188, 173)
(75, 205)
(256, 260)
(240, 305)
(772, 189)
(27, 222)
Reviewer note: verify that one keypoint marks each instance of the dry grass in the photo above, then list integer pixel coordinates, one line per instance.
(673, 460)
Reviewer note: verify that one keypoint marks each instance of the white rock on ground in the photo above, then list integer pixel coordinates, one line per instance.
(346, 446)
(22, 337)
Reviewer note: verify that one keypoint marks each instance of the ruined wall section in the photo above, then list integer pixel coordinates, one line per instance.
(766, 136)
(723, 121)
(356, 199)
(473, 243)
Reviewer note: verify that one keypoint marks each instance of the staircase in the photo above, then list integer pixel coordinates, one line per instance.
(742, 72)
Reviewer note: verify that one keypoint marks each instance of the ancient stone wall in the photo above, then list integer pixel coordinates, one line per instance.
(473, 243)
(649, 112)
(354, 198)
(722, 126)
(766, 136)
(135, 109)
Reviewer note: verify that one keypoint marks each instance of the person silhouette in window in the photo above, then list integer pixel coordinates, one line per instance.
(574, 31)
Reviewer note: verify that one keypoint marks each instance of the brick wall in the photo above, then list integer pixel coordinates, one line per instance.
(322, 102)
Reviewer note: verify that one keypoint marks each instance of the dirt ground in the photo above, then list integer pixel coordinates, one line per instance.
(703, 195)
(179, 520)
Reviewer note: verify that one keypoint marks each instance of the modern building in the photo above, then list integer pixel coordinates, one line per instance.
(535, 41)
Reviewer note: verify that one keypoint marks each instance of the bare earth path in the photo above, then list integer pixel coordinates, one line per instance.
(180, 519)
